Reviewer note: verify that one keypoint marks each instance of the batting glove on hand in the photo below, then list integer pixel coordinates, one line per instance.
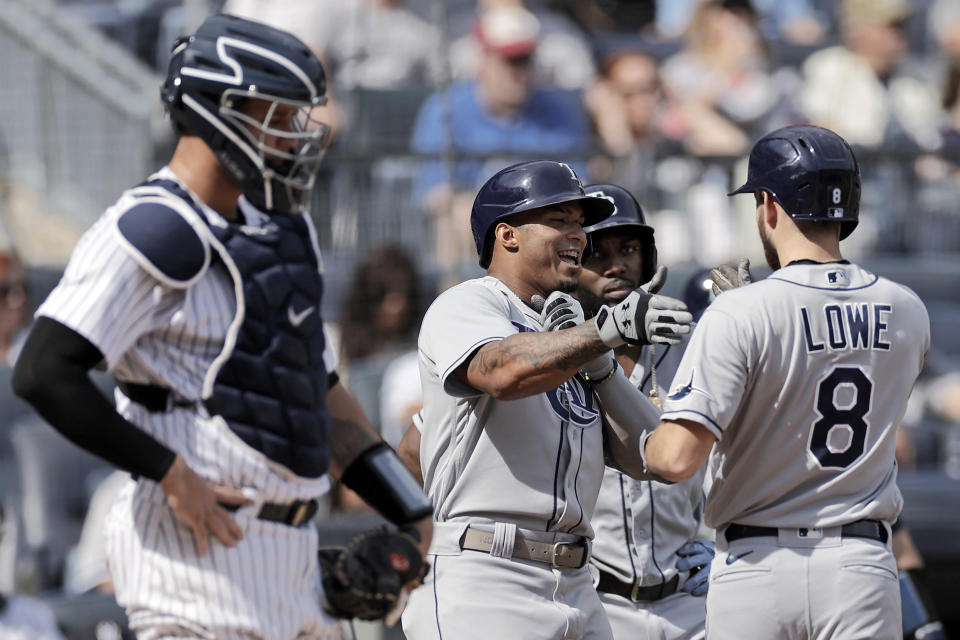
(563, 311)
(695, 557)
(726, 276)
(645, 318)
(559, 311)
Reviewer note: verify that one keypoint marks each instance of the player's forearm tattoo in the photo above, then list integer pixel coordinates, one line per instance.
(567, 349)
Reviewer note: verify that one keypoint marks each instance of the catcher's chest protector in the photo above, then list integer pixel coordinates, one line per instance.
(270, 383)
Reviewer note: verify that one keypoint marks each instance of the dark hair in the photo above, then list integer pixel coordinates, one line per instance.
(386, 269)
(951, 86)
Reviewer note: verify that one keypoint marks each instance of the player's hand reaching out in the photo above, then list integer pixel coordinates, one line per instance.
(644, 317)
(726, 276)
(197, 504)
(563, 311)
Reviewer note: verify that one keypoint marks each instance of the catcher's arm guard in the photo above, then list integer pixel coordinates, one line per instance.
(365, 579)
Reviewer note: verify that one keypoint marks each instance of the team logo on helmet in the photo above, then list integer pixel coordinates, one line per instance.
(575, 403)
(601, 194)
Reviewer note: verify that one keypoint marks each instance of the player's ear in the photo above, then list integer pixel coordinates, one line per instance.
(771, 210)
(508, 236)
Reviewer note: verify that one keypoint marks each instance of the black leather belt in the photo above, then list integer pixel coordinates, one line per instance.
(294, 514)
(154, 398)
(872, 529)
(634, 592)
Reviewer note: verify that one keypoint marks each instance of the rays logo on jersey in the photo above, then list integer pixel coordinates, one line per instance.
(838, 278)
(574, 402)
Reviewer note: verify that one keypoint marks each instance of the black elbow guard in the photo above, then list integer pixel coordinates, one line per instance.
(378, 476)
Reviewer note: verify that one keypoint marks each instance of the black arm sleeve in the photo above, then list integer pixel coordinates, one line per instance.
(52, 374)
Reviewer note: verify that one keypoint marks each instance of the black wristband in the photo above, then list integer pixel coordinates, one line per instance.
(379, 477)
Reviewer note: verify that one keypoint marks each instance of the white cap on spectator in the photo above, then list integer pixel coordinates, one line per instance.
(510, 31)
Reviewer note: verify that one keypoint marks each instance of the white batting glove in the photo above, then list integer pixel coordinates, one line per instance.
(645, 318)
(559, 311)
(726, 276)
(563, 311)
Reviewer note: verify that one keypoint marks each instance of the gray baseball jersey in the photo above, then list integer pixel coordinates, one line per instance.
(530, 467)
(639, 525)
(152, 333)
(803, 378)
(535, 461)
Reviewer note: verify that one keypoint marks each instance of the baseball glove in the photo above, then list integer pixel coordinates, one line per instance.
(365, 579)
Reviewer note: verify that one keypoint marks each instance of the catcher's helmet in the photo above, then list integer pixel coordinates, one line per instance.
(524, 187)
(230, 60)
(810, 171)
(627, 212)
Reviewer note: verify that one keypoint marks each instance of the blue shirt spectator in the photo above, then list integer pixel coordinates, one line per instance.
(549, 123)
(495, 120)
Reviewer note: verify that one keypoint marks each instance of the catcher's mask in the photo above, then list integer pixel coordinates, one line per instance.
(272, 151)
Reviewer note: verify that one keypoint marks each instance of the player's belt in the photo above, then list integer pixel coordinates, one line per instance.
(872, 529)
(609, 583)
(294, 514)
(154, 398)
(567, 555)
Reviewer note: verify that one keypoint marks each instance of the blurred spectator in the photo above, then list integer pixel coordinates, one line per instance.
(950, 124)
(563, 57)
(501, 112)
(649, 140)
(943, 23)
(723, 76)
(381, 318)
(25, 618)
(370, 44)
(383, 307)
(13, 306)
(626, 103)
(793, 21)
(602, 17)
(863, 88)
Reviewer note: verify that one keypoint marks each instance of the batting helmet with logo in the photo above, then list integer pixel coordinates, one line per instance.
(810, 171)
(627, 213)
(524, 187)
(229, 61)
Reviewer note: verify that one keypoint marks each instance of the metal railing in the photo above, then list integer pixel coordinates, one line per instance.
(78, 113)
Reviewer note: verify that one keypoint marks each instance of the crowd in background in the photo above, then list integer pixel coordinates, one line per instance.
(663, 97)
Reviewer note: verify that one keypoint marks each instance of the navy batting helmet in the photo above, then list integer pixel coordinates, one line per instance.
(524, 187)
(627, 213)
(810, 171)
(228, 61)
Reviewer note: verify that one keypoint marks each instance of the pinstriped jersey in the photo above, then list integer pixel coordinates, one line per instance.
(156, 334)
(803, 378)
(640, 524)
(536, 461)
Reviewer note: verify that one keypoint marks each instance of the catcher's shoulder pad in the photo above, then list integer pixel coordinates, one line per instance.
(167, 239)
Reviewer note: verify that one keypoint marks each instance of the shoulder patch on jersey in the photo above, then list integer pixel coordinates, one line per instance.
(164, 241)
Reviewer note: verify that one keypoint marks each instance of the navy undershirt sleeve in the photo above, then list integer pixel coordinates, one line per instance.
(52, 374)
